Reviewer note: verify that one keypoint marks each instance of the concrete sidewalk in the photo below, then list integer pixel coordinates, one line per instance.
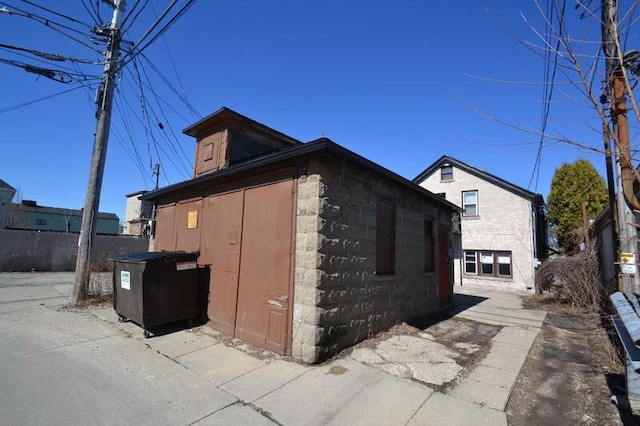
(197, 376)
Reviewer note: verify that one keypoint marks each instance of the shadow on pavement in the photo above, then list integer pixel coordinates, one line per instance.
(461, 302)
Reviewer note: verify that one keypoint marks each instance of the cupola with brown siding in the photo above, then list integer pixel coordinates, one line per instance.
(225, 138)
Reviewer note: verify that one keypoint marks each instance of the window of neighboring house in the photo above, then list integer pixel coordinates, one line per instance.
(470, 203)
(385, 238)
(446, 172)
(488, 263)
(41, 222)
(429, 247)
(504, 264)
(470, 263)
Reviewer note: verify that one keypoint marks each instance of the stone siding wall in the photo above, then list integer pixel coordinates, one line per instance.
(504, 223)
(338, 299)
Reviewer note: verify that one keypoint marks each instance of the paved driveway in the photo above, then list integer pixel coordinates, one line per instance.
(62, 366)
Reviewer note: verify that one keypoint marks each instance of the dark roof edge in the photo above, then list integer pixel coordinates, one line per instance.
(515, 189)
(307, 148)
(225, 113)
(60, 211)
(5, 186)
(142, 191)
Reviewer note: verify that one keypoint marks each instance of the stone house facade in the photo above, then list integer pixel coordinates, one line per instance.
(503, 230)
(136, 215)
(311, 247)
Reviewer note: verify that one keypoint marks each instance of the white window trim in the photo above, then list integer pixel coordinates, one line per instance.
(464, 213)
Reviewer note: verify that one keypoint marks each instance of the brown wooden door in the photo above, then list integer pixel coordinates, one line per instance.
(165, 232)
(444, 273)
(265, 275)
(221, 241)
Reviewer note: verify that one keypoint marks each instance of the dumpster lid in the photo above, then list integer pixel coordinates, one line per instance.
(155, 255)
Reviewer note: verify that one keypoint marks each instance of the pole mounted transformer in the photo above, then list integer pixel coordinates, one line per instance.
(104, 100)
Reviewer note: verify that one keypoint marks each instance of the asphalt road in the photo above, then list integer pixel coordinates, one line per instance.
(57, 370)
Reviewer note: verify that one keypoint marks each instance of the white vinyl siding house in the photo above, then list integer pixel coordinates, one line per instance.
(502, 229)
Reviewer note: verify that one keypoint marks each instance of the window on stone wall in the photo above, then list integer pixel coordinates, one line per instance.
(429, 247)
(385, 238)
(488, 263)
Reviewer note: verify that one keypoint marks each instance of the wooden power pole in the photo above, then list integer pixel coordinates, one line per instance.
(625, 197)
(104, 99)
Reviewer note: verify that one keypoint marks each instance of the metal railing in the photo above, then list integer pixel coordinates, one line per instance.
(627, 324)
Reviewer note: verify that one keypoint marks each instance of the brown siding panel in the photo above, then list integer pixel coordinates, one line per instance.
(211, 153)
(188, 220)
(266, 265)
(165, 233)
(221, 239)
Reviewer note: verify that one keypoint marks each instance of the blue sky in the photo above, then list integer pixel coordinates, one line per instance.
(399, 82)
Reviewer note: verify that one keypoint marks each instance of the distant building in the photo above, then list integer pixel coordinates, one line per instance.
(137, 215)
(503, 226)
(29, 215)
(6, 196)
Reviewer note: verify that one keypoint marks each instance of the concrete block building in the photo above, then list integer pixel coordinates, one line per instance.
(311, 248)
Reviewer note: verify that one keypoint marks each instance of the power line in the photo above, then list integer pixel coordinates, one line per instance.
(53, 12)
(136, 50)
(35, 101)
(49, 56)
(49, 23)
(547, 88)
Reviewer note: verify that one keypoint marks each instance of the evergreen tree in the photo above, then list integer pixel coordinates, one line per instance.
(571, 185)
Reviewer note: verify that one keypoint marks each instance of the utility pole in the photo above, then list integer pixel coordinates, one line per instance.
(156, 172)
(104, 99)
(625, 197)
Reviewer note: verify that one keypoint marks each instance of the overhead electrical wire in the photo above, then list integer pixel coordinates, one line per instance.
(177, 75)
(547, 87)
(49, 24)
(134, 13)
(162, 142)
(53, 74)
(93, 11)
(132, 152)
(80, 85)
(53, 12)
(175, 91)
(50, 56)
(137, 49)
(144, 120)
(174, 144)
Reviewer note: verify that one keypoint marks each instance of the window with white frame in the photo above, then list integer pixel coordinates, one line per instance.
(470, 203)
(488, 263)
